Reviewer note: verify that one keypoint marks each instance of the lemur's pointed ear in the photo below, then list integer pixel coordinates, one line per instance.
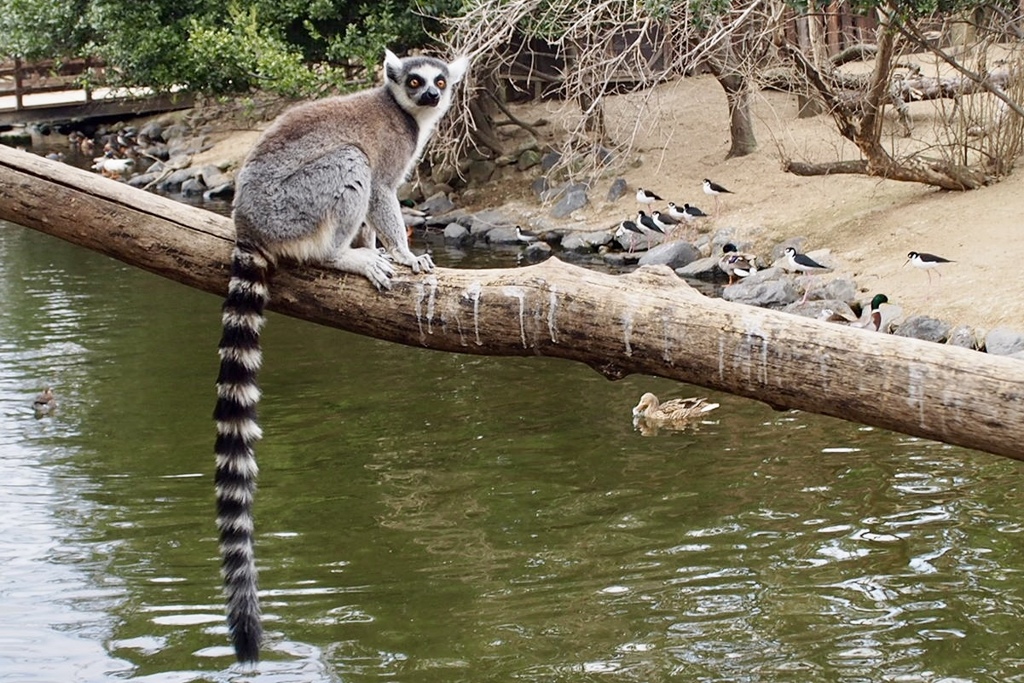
(392, 65)
(458, 69)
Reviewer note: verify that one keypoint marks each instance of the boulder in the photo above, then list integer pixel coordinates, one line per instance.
(620, 259)
(193, 187)
(483, 222)
(765, 275)
(842, 289)
(1004, 342)
(575, 198)
(540, 187)
(480, 171)
(963, 336)
(212, 176)
(703, 268)
(152, 130)
(436, 204)
(549, 160)
(586, 241)
(821, 309)
(455, 233)
(173, 182)
(924, 327)
(143, 179)
(769, 293)
(502, 235)
(617, 190)
(527, 160)
(672, 254)
(537, 251)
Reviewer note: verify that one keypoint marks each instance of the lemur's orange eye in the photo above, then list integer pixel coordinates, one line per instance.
(415, 82)
(441, 83)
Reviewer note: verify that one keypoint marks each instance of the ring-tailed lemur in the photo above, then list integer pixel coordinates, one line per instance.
(318, 173)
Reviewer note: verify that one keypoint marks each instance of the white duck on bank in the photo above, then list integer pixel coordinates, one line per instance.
(112, 166)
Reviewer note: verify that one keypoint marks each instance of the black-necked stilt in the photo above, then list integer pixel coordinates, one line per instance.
(668, 224)
(646, 197)
(526, 236)
(646, 221)
(628, 227)
(649, 225)
(926, 262)
(802, 263)
(713, 189)
(692, 213)
(676, 211)
(664, 220)
(735, 263)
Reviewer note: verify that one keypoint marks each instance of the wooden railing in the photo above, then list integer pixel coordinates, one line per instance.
(49, 75)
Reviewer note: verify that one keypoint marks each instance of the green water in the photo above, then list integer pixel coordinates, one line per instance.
(425, 517)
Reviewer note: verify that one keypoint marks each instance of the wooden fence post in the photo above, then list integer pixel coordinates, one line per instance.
(87, 82)
(18, 88)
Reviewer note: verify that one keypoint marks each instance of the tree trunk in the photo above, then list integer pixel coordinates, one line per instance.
(646, 322)
(741, 126)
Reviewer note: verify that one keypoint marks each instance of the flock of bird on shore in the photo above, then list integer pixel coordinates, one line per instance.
(649, 414)
(120, 150)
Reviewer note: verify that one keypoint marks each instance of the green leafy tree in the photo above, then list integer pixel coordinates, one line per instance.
(41, 29)
(289, 46)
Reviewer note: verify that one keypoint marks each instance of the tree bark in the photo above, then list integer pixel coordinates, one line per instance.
(645, 322)
(741, 127)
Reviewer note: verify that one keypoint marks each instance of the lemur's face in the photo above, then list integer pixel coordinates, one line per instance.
(422, 81)
(426, 84)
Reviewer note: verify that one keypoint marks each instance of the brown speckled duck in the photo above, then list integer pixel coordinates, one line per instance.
(677, 412)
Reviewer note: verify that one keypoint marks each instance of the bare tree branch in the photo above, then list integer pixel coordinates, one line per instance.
(610, 47)
(986, 83)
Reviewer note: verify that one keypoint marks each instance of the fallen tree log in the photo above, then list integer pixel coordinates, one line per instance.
(645, 322)
(807, 168)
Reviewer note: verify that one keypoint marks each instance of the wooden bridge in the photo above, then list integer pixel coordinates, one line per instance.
(73, 91)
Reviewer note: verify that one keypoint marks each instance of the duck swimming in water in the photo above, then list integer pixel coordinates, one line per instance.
(674, 413)
(44, 402)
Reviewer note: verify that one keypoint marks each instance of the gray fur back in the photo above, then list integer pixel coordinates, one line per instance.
(317, 161)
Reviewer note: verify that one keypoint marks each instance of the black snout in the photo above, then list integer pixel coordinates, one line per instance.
(430, 98)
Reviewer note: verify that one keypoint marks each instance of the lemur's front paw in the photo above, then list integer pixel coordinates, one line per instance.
(422, 264)
(419, 264)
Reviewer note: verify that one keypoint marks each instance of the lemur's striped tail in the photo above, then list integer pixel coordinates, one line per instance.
(237, 433)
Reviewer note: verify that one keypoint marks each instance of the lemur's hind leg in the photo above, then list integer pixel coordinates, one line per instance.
(352, 255)
(385, 217)
(345, 204)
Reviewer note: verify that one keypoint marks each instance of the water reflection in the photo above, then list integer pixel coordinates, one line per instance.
(434, 517)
